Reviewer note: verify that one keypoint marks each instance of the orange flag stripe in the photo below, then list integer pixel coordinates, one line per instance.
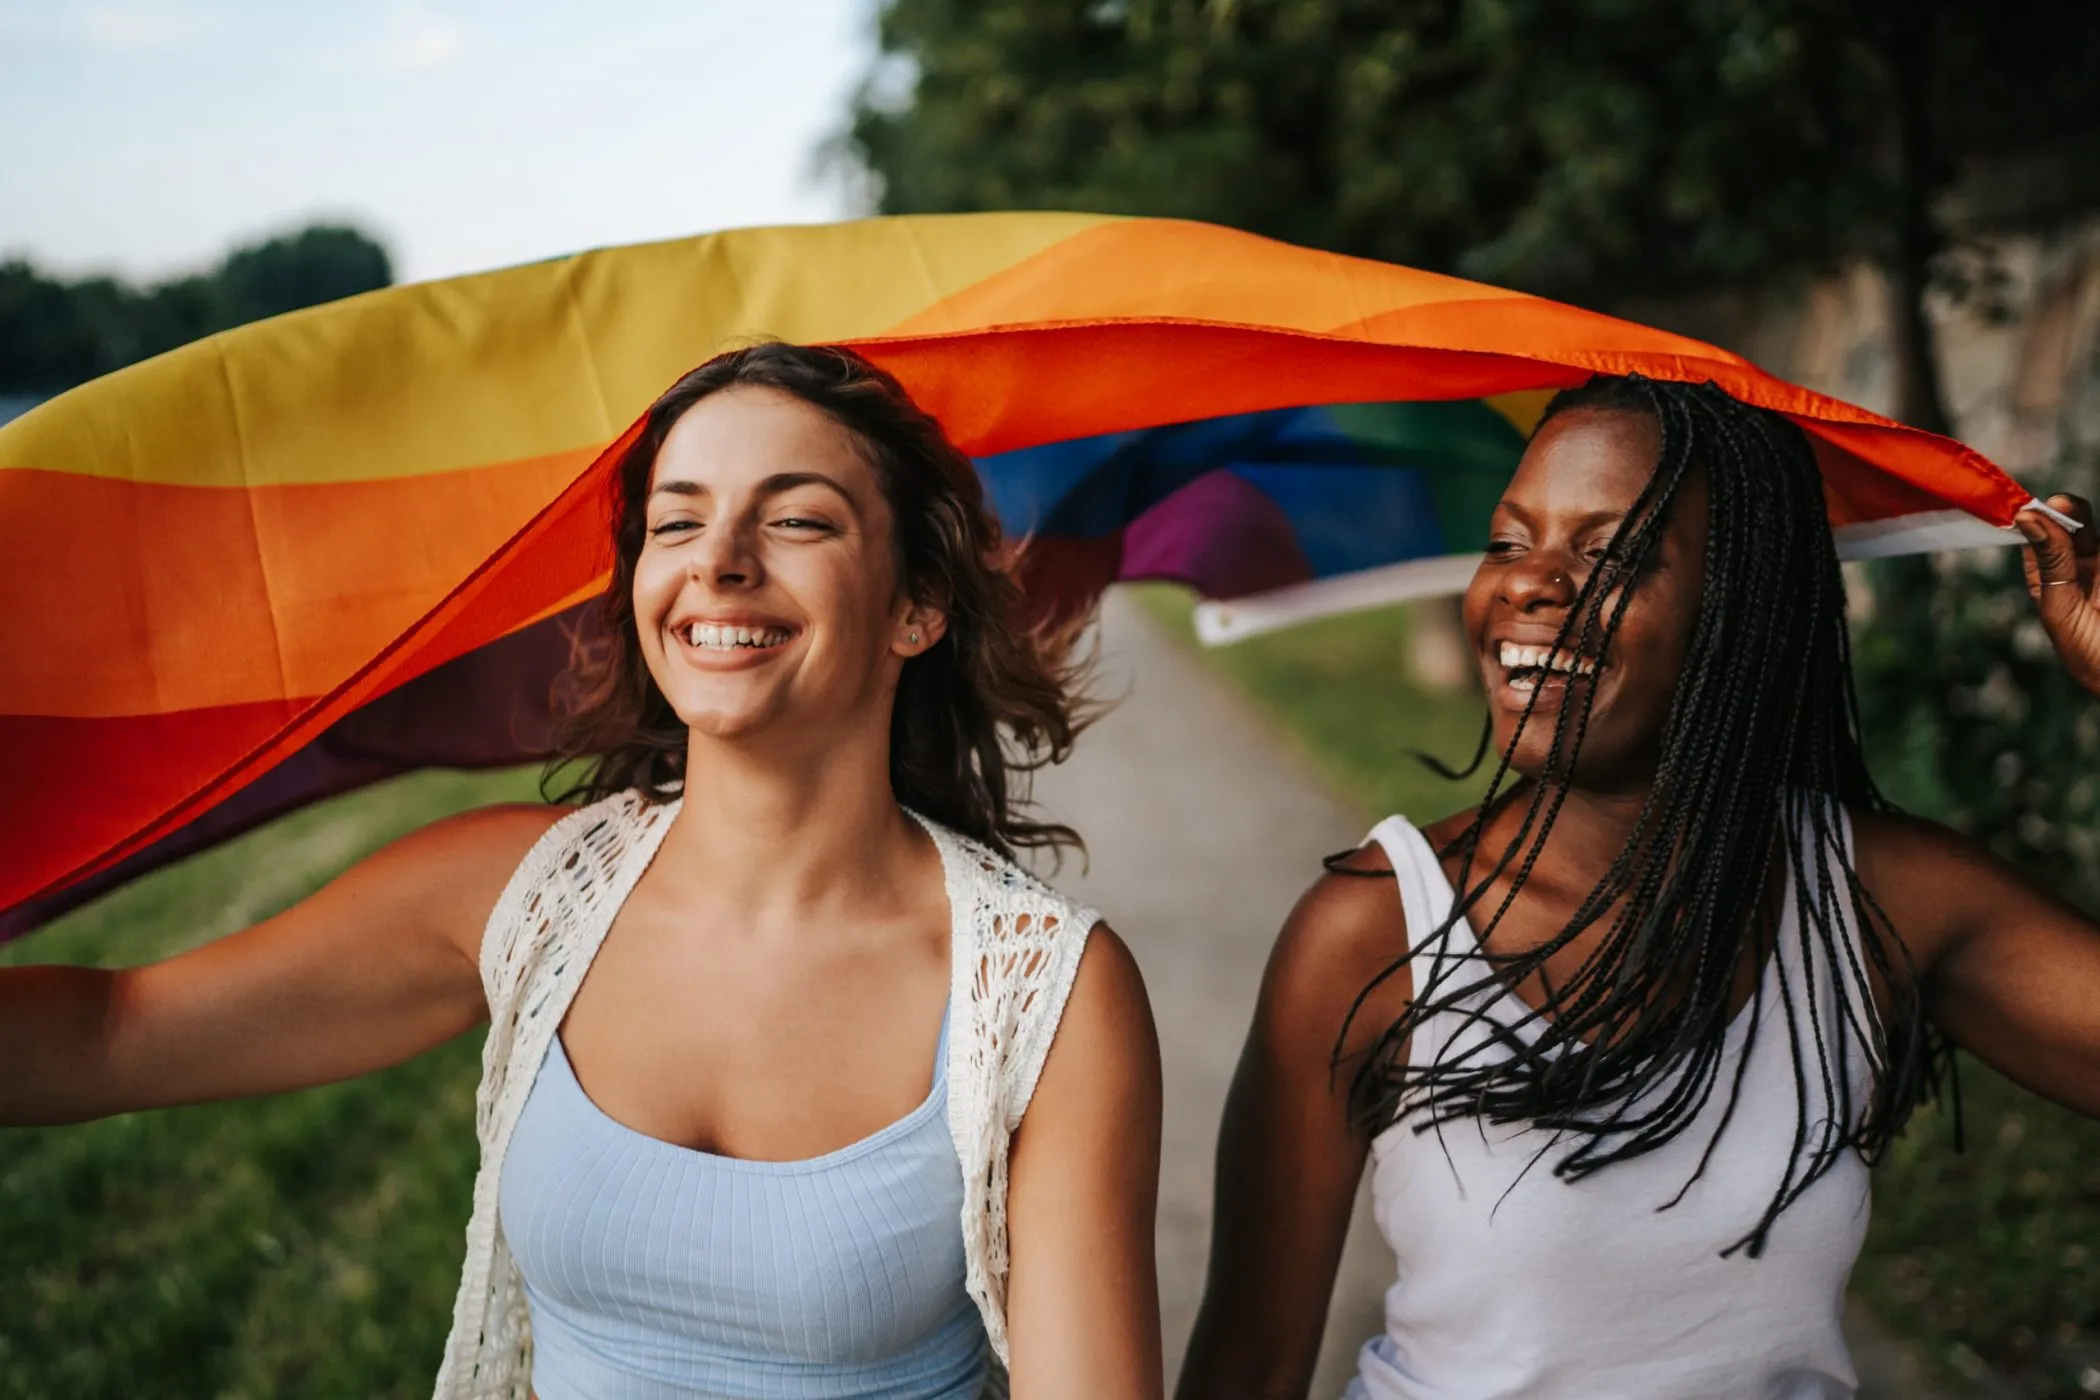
(300, 584)
(331, 504)
(127, 598)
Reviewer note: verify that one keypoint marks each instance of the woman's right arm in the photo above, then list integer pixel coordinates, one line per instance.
(381, 964)
(1288, 1159)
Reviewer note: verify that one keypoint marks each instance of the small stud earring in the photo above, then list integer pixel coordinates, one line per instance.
(913, 639)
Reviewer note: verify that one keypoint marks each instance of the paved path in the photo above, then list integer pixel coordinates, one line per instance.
(1204, 826)
(1203, 829)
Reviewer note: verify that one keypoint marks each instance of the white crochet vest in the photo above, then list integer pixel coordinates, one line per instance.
(1016, 947)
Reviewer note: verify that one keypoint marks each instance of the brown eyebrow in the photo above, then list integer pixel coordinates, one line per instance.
(771, 486)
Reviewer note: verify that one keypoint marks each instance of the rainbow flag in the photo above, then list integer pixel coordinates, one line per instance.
(312, 552)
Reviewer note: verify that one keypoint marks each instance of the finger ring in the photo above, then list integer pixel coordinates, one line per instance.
(2060, 583)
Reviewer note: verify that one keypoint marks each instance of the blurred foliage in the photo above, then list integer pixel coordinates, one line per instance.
(1599, 151)
(1590, 149)
(1990, 1256)
(1983, 728)
(307, 1244)
(55, 334)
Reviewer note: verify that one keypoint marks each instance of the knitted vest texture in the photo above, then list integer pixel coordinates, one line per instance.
(1017, 945)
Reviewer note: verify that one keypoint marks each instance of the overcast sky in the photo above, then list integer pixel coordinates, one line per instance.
(148, 136)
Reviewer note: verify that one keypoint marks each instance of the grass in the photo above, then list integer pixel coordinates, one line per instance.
(302, 1245)
(1988, 1260)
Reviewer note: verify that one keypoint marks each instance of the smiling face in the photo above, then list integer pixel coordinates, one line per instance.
(1579, 478)
(767, 587)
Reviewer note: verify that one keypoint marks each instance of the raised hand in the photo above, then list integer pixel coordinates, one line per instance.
(2061, 574)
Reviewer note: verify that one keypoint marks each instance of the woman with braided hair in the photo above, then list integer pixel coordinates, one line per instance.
(1622, 1042)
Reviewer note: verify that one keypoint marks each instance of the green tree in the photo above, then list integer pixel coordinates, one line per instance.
(1593, 150)
(46, 342)
(322, 263)
(1586, 149)
(55, 334)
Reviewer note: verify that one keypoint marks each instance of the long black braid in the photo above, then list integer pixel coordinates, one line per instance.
(1760, 746)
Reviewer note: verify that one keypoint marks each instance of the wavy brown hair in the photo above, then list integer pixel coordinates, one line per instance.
(978, 712)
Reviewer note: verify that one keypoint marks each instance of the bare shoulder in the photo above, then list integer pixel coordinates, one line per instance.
(1108, 1008)
(1346, 933)
(1893, 841)
(450, 873)
(1109, 987)
(477, 846)
(1914, 865)
(1351, 915)
(1353, 907)
(1936, 885)
(1104, 1054)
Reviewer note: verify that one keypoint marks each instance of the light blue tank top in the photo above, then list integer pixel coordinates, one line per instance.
(655, 1272)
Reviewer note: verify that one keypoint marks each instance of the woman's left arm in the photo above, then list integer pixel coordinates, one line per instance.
(1082, 1299)
(2011, 972)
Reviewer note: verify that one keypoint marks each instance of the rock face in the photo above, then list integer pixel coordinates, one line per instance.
(2019, 353)
(2019, 346)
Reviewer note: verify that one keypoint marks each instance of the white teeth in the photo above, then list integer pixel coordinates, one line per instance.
(1517, 657)
(710, 637)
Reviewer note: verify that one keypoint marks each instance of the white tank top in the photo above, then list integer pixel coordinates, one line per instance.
(1515, 1282)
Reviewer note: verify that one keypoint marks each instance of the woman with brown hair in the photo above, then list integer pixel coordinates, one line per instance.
(768, 1012)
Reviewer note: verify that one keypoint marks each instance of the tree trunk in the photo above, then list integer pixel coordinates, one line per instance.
(1909, 47)
(1916, 349)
